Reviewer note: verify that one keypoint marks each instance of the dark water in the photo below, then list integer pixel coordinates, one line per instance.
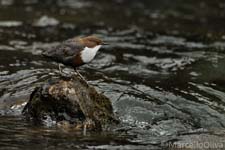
(164, 70)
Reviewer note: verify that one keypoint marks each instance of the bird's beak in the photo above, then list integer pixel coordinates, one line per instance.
(105, 43)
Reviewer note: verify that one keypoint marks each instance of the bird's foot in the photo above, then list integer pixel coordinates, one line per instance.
(83, 79)
(80, 75)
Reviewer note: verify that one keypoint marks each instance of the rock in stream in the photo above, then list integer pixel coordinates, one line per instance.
(69, 101)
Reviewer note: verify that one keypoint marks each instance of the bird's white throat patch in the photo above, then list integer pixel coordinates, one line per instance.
(88, 54)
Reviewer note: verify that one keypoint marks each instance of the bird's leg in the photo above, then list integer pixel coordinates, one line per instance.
(85, 130)
(79, 74)
(60, 69)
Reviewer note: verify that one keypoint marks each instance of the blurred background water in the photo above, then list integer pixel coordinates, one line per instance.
(164, 69)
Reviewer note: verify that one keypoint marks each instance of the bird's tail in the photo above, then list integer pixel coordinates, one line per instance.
(49, 52)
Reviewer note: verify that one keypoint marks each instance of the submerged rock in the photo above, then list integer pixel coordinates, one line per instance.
(69, 101)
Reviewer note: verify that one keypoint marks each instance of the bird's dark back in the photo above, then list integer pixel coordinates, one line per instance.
(64, 52)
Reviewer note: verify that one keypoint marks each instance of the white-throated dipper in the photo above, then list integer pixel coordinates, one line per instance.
(75, 52)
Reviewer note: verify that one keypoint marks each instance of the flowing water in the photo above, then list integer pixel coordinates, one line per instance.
(164, 70)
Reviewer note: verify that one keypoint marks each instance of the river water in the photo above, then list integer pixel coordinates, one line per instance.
(164, 70)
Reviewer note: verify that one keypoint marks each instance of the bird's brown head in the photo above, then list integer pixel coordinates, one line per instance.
(92, 41)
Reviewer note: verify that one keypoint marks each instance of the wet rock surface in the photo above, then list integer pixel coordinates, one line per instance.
(71, 100)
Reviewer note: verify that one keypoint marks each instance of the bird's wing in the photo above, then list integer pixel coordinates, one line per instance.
(65, 52)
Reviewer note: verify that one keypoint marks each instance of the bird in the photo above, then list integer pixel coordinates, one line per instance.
(75, 52)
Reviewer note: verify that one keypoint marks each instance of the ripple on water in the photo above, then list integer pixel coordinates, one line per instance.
(157, 85)
(15, 90)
